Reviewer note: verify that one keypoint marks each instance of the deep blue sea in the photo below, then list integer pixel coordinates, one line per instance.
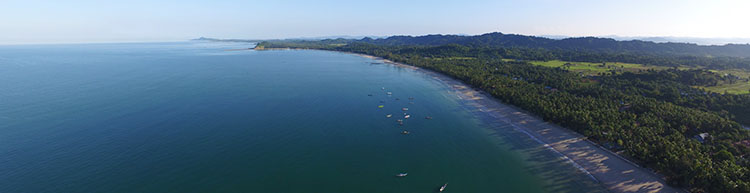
(197, 117)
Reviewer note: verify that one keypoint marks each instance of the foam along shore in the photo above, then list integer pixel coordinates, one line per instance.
(614, 172)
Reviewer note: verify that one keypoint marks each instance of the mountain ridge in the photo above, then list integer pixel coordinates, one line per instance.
(593, 44)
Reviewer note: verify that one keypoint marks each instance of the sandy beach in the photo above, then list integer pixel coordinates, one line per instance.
(614, 172)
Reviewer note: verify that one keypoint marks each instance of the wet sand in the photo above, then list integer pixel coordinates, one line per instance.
(614, 172)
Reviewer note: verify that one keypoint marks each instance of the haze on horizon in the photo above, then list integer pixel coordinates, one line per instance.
(78, 21)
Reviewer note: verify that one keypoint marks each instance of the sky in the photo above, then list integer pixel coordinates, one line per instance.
(76, 21)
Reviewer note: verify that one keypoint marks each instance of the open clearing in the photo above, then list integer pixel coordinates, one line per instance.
(595, 69)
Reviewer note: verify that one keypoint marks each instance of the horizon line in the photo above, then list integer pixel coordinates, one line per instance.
(746, 40)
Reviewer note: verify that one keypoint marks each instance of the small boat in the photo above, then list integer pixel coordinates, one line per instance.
(404, 109)
(389, 93)
(411, 98)
(382, 88)
(443, 187)
(388, 115)
(427, 117)
(405, 132)
(402, 174)
(380, 106)
(396, 98)
(369, 94)
(407, 116)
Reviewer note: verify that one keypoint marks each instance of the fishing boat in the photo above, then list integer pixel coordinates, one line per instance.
(388, 115)
(402, 174)
(407, 116)
(380, 106)
(427, 117)
(404, 109)
(389, 93)
(443, 187)
(405, 132)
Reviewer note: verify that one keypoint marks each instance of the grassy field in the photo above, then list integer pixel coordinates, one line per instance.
(594, 69)
(736, 88)
(588, 68)
(740, 87)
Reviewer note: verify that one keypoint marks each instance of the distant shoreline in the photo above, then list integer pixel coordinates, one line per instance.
(615, 173)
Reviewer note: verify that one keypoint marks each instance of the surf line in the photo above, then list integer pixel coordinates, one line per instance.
(515, 127)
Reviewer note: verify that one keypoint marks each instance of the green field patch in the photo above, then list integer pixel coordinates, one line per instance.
(594, 69)
(741, 86)
(736, 88)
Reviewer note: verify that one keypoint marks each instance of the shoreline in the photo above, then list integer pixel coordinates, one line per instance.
(614, 172)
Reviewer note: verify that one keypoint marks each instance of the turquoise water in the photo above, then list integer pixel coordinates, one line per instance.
(193, 117)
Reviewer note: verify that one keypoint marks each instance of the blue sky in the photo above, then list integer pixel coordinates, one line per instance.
(32, 21)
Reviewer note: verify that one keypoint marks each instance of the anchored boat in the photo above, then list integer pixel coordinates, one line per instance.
(443, 187)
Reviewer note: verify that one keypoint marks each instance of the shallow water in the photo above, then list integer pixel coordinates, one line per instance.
(193, 117)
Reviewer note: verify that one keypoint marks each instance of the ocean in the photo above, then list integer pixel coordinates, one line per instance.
(204, 117)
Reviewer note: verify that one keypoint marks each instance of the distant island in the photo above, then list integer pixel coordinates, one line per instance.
(675, 108)
(224, 40)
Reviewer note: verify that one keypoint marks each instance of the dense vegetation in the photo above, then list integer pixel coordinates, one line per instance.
(589, 44)
(585, 49)
(660, 57)
(589, 49)
(675, 86)
(649, 116)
